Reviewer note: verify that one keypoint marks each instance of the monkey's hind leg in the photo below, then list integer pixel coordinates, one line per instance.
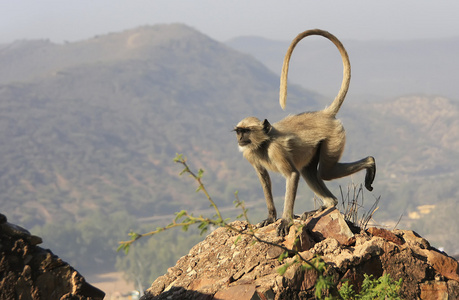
(339, 170)
(316, 184)
(330, 167)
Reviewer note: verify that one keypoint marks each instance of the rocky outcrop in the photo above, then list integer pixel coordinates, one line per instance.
(227, 265)
(28, 272)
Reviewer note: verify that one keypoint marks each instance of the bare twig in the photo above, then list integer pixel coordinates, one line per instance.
(352, 205)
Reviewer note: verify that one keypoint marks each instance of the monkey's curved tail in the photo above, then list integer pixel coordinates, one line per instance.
(336, 104)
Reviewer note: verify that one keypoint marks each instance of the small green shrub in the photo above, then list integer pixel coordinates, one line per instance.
(382, 288)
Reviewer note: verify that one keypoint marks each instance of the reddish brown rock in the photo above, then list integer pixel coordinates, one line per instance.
(242, 292)
(413, 239)
(385, 234)
(434, 290)
(298, 238)
(443, 264)
(330, 223)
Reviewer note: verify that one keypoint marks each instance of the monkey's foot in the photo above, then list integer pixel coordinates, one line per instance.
(284, 227)
(308, 214)
(311, 213)
(370, 176)
(266, 222)
(328, 202)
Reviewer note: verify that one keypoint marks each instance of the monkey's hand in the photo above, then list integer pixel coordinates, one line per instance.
(266, 222)
(284, 227)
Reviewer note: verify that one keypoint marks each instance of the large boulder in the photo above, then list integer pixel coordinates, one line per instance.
(28, 272)
(228, 265)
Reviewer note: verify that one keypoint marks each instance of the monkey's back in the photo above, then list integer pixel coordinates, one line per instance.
(302, 133)
(310, 127)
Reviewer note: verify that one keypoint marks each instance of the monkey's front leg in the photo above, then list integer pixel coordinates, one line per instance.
(265, 180)
(290, 195)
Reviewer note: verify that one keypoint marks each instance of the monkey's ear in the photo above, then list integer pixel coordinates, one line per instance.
(266, 126)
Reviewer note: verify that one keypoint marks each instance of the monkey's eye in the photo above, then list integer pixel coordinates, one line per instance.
(241, 130)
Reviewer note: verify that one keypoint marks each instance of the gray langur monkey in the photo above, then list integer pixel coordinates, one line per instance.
(310, 144)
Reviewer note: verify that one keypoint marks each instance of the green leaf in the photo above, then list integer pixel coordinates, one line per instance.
(281, 270)
(180, 214)
(203, 225)
(134, 235)
(178, 157)
(237, 239)
(120, 247)
(184, 171)
(283, 255)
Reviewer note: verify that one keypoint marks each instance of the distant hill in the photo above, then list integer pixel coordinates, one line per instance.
(100, 129)
(89, 129)
(380, 69)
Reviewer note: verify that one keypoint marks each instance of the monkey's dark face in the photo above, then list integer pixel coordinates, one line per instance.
(251, 133)
(243, 136)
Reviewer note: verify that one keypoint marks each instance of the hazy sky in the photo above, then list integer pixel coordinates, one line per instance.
(71, 20)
